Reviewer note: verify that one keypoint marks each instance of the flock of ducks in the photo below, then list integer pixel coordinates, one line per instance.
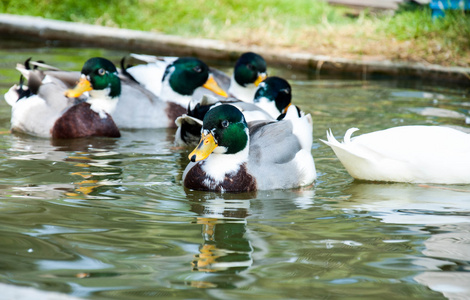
(246, 133)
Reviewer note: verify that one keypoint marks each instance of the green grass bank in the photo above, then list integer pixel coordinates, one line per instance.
(302, 25)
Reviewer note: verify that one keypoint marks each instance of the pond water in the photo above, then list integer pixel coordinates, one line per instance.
(109, 218)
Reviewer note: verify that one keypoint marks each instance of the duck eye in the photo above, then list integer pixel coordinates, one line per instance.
(225, 123)
(197, 69)
(250, 67)
(101, 71)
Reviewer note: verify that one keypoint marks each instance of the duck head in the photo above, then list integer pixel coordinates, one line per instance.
(184, 76)
(224, 131)
(274, 95)
(250, 69)
(98, 74)
(100, 78)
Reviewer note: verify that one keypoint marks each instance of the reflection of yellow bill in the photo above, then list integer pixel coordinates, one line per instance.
(212, 85)
(204, 148)
(83, 86)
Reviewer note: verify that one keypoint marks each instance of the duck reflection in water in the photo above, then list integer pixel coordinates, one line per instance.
(91, 163)
(226, 247)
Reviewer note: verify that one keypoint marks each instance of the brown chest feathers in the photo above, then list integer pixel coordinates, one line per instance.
(241, 181)
(81, 121)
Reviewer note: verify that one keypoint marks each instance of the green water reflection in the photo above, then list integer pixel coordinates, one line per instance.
(109, 219)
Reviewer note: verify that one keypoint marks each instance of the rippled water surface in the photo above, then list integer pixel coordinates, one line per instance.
(109, 219)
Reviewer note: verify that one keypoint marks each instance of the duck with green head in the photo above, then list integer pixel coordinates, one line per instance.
(249, 72)
(176, 84)
(50, 110)
(272, 98)
(233, 156)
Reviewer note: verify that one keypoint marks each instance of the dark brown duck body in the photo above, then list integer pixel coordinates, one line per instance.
(81, 121)
(239, 182)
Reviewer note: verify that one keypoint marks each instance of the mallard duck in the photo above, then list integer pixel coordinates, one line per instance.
(233, 156)
(274, 96)
(415, 154)
(151, 73)
(178, 83)
(272, 99)
(47, 109)
(249, 71)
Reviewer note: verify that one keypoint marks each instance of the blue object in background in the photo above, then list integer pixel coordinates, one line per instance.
(439, 6)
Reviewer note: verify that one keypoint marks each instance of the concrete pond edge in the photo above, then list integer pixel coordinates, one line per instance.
(70, 33)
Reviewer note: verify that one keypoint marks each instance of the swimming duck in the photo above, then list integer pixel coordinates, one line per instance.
(415, 154)
(272, 99)
(249, 72)
(274, 96)
(233, 156)
(46, 108)
(179, 81)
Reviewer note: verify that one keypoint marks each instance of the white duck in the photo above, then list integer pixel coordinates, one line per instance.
(414, 154)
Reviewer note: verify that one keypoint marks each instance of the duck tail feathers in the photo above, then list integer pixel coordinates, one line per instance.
(348, 134)
(330, 139)
(23, 70)
(41, 64)
(187, 119)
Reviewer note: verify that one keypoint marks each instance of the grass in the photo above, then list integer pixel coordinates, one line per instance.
(302, 25)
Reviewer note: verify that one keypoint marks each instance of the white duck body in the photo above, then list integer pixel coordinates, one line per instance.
(414, 154)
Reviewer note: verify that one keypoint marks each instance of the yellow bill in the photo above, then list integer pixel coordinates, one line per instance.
(261, 77)
(204, 148)
(83, 86)
(212, 85)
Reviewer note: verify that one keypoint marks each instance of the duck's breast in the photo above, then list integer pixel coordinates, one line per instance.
(240, 181)
(81, 121)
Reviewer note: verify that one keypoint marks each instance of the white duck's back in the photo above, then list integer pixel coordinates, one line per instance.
(418, 154)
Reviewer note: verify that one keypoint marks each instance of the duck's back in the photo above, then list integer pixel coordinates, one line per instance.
(278, 158)
(432, 154)
(36, 114)
(81, 121)
(140, 108)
